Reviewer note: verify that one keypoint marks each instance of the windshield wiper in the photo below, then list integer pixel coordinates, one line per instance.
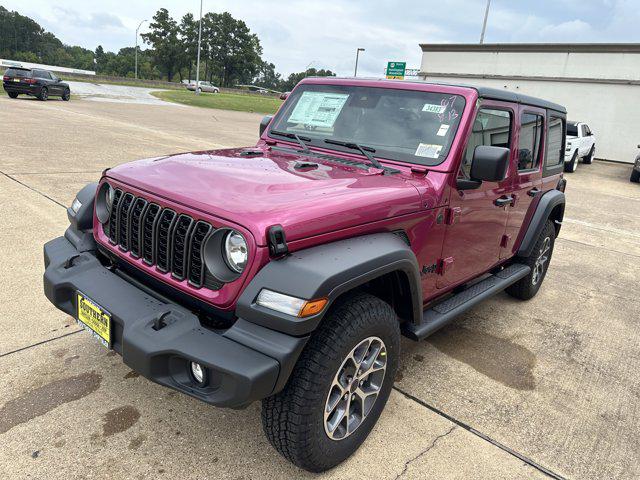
(300, 140)
(356, 146)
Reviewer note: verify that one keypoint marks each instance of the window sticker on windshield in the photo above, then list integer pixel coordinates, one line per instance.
(318, 109)
(432, 108)
(443, 130)
(427, 150)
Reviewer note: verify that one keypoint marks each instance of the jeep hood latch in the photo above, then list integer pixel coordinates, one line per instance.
(277, 241)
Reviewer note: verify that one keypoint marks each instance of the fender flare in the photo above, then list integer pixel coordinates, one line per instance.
(329, 270)
(544, 210)
(80, 231)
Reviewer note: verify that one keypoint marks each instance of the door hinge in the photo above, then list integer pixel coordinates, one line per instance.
(504, 243)
(444, 265)
(452, 215)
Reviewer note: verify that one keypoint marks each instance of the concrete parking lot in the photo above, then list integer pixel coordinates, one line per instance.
(546, 388)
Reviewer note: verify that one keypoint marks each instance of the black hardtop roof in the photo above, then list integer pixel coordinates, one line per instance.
(483, 92)
(19, 68)
(509, 96)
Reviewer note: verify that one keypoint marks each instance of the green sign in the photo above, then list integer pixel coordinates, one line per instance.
(395, 70)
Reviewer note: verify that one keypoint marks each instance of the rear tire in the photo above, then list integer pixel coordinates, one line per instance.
(539, 260)
(635, 176)
(572, 166)
(66, 96)
(44, 94)
(589, 158)
(306, 422)
(12, 94)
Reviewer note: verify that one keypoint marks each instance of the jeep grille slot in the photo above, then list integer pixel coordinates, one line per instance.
(196, 266)
(134, 227)
(123, 220)
(148, 231)
(161, 237)
(181, 236)
(113, 217)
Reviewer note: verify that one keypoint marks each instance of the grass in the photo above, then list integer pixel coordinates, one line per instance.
(222, 101)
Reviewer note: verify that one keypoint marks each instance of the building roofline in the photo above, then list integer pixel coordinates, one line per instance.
(533, 47)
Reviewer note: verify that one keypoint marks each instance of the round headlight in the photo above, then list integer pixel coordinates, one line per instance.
(235, 251)
(104, 202)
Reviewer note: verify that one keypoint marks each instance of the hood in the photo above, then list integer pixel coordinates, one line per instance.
(260, 188)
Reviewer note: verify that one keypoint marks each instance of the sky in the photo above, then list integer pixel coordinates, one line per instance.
(296, 34)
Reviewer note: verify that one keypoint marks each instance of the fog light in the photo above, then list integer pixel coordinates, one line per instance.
(197, 371)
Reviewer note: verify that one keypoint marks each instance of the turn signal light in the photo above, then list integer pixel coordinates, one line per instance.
(312, 307)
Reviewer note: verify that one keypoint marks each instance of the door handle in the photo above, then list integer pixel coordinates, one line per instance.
(503, 201)
(533, 192)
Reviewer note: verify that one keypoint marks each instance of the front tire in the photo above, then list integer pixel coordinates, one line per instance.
(338, 387)
(44, 94)
(66, 96)
(12, 94)
(635, 176)
(589, 158)
(572, 166)
(538, 260)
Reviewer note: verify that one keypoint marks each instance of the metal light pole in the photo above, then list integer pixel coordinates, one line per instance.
(199, 43)
(484, 24)
(355, 74)
(136, 74)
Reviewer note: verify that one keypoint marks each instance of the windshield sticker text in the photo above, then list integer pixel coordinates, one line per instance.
(442, 131)
(428, 151)
(318, 109)
(431, 108)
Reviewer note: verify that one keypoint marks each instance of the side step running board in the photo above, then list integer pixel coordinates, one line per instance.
(443, 313)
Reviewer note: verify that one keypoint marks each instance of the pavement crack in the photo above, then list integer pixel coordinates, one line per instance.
(32, 189)
(486, 438)
(424, 452)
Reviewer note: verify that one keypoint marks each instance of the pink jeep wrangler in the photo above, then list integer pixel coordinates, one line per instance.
(286, 272)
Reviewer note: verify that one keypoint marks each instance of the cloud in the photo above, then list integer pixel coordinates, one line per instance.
(294, 33)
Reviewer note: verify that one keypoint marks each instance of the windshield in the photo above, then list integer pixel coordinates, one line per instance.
(18, 72)
(572, 129)
(405, 125)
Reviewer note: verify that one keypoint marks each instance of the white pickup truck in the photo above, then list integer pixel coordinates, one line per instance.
(581, 144)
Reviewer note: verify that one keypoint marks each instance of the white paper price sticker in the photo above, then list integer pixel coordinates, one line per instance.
(442, 131)
(428, 151)
(318, 109)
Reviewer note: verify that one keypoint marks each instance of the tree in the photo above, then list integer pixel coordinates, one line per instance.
(163, 37)
(294, 78)
(268, 77)
(189, 40)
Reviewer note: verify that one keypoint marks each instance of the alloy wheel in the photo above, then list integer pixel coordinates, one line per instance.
(541, 263)
(355, 388)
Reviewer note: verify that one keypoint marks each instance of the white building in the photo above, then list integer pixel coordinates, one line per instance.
(598, 83)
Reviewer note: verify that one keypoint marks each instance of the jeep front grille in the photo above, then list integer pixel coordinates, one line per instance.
(161, 237)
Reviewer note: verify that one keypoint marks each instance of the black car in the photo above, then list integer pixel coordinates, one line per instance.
(635, 173)
(36, 82)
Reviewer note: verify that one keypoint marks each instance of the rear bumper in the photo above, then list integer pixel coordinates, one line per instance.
(245, 363)
(22, 89)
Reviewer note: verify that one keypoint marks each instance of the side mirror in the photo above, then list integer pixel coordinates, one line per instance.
(489, 164)
(283, 96)
(264, 123)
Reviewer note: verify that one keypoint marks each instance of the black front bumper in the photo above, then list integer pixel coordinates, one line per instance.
(245, 363)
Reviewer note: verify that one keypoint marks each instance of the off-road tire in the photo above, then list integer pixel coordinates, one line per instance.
(12, 94)
(589, 158)
(635, 176)
(572, 166)
(44, 94)
(528, 286)
(293, 420)
(66, 96)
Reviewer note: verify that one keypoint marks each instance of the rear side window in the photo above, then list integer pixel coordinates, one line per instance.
(18, 72)
(529, 141)
(555, 141)
(492, 128)
(42, 74)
